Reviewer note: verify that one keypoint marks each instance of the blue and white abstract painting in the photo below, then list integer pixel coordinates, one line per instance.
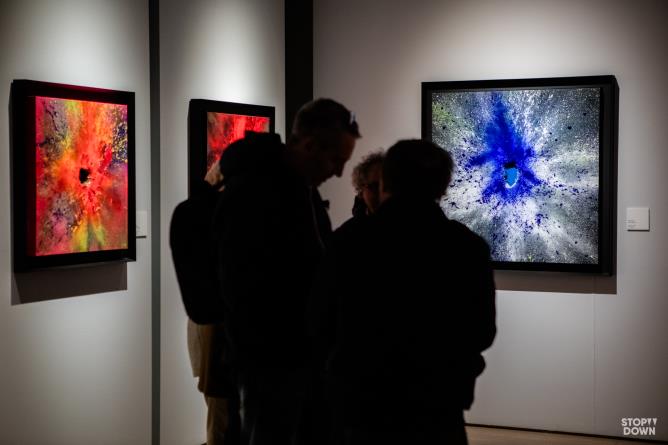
(527, 170)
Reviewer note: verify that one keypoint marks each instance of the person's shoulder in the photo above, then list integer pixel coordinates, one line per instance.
(351, 226)
(352, 232)
(467, 238)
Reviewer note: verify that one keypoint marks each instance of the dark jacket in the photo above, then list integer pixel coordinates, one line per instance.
(403, 307)
(270, 228)
(194, 257)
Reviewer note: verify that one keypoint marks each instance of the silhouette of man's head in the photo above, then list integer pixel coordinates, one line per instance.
(322, 140)
(416, 168)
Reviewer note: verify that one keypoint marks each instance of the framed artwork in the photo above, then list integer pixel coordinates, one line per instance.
(214, 125)
(535, 167)
(73, 175)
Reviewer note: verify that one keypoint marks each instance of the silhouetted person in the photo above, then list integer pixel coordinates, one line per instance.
(272, 226)
(403, 308)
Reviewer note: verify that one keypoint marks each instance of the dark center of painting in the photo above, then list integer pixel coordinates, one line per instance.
(83, 175)
(511, 174)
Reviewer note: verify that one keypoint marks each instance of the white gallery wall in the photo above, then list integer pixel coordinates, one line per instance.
(230, 50)
(573, 353)
(75, 344)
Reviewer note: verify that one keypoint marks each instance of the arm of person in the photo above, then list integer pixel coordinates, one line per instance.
(483, 299)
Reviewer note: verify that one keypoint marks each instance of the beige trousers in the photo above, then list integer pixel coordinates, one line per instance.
(217, 420)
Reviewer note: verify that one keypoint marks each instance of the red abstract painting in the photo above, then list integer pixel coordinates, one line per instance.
(81, 176)
(214, 125)
(224, 128)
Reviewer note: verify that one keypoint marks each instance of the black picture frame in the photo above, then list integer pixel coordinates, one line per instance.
(607, 155)
(197, 130)
(24, 146)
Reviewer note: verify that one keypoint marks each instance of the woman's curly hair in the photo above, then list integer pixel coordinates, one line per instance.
(361, 171)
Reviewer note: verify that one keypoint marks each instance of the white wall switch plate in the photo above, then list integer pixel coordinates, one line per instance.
(142, 224)
(637, 218)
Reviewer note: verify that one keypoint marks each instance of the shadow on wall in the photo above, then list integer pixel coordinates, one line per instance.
(555, 282)
(53, 284)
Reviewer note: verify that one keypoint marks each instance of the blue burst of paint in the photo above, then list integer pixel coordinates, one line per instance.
(527, 177)
(510, 156)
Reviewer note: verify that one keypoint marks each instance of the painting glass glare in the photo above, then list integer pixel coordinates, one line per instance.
(527, 169)
(81, 172)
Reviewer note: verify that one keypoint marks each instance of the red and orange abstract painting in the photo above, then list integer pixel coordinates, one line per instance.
(81, 176)
(214, 125)
(225, 128)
